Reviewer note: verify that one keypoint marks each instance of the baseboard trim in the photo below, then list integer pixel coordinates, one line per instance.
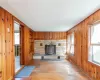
(11, 78)
(19, 70)
(85, 73)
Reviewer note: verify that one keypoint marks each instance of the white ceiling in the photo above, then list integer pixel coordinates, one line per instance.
(51, 15)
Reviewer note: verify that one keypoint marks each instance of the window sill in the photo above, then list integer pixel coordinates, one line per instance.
(97, 64)
(71, 54)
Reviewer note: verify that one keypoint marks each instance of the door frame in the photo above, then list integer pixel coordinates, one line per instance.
(21, 40)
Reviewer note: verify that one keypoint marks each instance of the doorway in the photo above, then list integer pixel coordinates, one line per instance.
(17, 46)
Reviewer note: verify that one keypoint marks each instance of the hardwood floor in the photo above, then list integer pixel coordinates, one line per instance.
(55, 70)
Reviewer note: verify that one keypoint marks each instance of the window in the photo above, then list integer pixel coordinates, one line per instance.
(16, 33)
(94, 51)
(70, 44)
(17, 38)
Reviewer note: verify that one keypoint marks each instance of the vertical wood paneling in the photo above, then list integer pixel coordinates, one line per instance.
(9, 45)
(49, 35)
(28, 45)
(2, 28)
(7, 55)
(1, 35)
(6, 45)
(2, 45)
(81, 46)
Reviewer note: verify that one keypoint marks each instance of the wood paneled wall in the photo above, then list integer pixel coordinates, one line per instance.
(81, 46)
(28, 45)
(7, 48)
(2, 43)
(7, 55)
(49, 35)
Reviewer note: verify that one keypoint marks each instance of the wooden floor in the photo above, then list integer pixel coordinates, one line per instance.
(55, 70)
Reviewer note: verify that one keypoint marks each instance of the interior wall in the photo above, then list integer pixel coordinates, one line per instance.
(28, 45)
(60, 46)
(7, 60)
(46, 38)
(7, 42)
(49, 35)
(1, 24)
(80, 56)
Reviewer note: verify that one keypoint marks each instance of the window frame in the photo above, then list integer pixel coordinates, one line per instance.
(90, 56)
(70, 44)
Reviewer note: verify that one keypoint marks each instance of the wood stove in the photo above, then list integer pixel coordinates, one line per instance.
(50, 49)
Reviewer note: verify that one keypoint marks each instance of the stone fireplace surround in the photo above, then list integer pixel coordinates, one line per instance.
(39, 47)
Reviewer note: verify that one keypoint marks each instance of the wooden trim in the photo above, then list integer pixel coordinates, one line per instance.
(22, 45)
(95, 23)
(95, 44)
(19, 70)
(90, 34)
(10, 78)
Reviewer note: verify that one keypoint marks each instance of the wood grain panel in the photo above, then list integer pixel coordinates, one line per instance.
(81, 46)
(7, 55)
(2, 43)
(28, 45)
(49, 35)
(9, 45)
(2, 29)
(6, 45)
